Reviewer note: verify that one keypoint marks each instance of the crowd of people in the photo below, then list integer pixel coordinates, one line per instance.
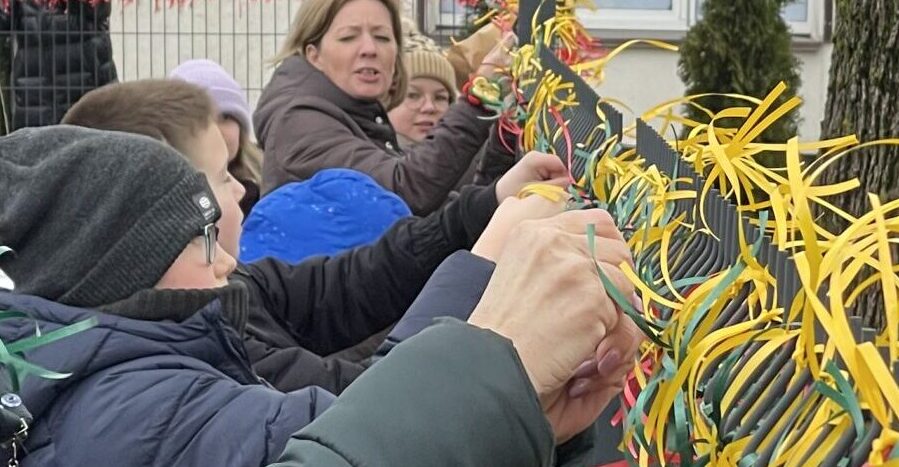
(474, 332)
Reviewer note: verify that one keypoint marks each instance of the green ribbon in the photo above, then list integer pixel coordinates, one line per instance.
(17, 366)
(844, 396)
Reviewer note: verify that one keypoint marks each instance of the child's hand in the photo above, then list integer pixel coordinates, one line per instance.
(534, 167)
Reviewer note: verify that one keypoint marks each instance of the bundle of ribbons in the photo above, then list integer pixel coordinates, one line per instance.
(750, 357)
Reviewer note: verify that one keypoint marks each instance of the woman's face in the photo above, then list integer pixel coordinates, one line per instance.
(358, 53)
(231, 132)
(425, 103)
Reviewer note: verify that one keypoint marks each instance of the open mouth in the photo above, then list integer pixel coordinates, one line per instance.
(368, 74)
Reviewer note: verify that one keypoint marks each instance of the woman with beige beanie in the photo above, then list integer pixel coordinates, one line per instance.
(433, 86)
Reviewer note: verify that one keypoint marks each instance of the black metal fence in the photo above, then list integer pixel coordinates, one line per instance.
(51, 54)
(150, 39)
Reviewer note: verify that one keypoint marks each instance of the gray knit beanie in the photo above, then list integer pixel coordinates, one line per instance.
(92, 216)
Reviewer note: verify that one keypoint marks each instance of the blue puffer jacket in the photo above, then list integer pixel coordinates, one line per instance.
(149, 393)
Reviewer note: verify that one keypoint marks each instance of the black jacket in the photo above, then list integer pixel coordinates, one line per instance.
(492, 161)
(61, 53)
(298, 313)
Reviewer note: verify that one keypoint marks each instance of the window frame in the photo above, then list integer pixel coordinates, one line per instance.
(811, 28)
(457, 17)
(436, 21)
(613, 25)
(677, 19)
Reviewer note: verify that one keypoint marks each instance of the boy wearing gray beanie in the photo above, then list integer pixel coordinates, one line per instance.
(140, 248)
(163, 377)
(133, 231)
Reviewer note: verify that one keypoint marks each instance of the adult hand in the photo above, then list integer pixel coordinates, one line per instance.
(510, 213)
(499, 58)
(534, 167)
(546, 297)
(598, 381)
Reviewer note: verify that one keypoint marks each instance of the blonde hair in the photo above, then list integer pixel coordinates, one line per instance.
(247, 164)
(313, 20)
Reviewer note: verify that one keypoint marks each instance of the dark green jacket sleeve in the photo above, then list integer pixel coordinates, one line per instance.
(454, 395)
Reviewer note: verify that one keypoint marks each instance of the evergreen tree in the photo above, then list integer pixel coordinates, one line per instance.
(744, 47)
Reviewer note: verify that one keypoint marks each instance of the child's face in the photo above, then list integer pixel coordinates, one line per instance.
(191, 271)
(209, 154)
(427, 100)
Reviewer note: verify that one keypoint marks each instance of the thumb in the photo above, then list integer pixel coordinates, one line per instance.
(546, 166)
(550, 167)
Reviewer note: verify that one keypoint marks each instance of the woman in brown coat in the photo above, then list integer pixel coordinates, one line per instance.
(325, 106)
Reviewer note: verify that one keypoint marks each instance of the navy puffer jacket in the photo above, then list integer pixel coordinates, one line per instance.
(151, 393)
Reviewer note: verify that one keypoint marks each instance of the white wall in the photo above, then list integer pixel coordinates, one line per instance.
(644, 77)
(149, 41)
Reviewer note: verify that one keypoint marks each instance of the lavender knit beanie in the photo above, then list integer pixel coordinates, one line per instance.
(227, 94)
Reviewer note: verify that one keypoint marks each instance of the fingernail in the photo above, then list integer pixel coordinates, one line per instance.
(636, 301)
(586, 369)
(609, 362)
(578, 388)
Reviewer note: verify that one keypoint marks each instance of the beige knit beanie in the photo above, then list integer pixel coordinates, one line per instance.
(424, 59)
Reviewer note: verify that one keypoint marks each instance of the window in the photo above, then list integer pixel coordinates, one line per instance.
(654, 15)
(442, 17)
(669, 19)
(806, 17)
(799, 15)
(797, 11)
(635, 4)
(452, 13)
(645, 19)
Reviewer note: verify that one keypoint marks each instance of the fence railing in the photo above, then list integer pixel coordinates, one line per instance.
(51, 56)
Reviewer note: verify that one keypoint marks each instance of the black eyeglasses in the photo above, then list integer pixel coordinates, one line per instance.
(210, 234)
